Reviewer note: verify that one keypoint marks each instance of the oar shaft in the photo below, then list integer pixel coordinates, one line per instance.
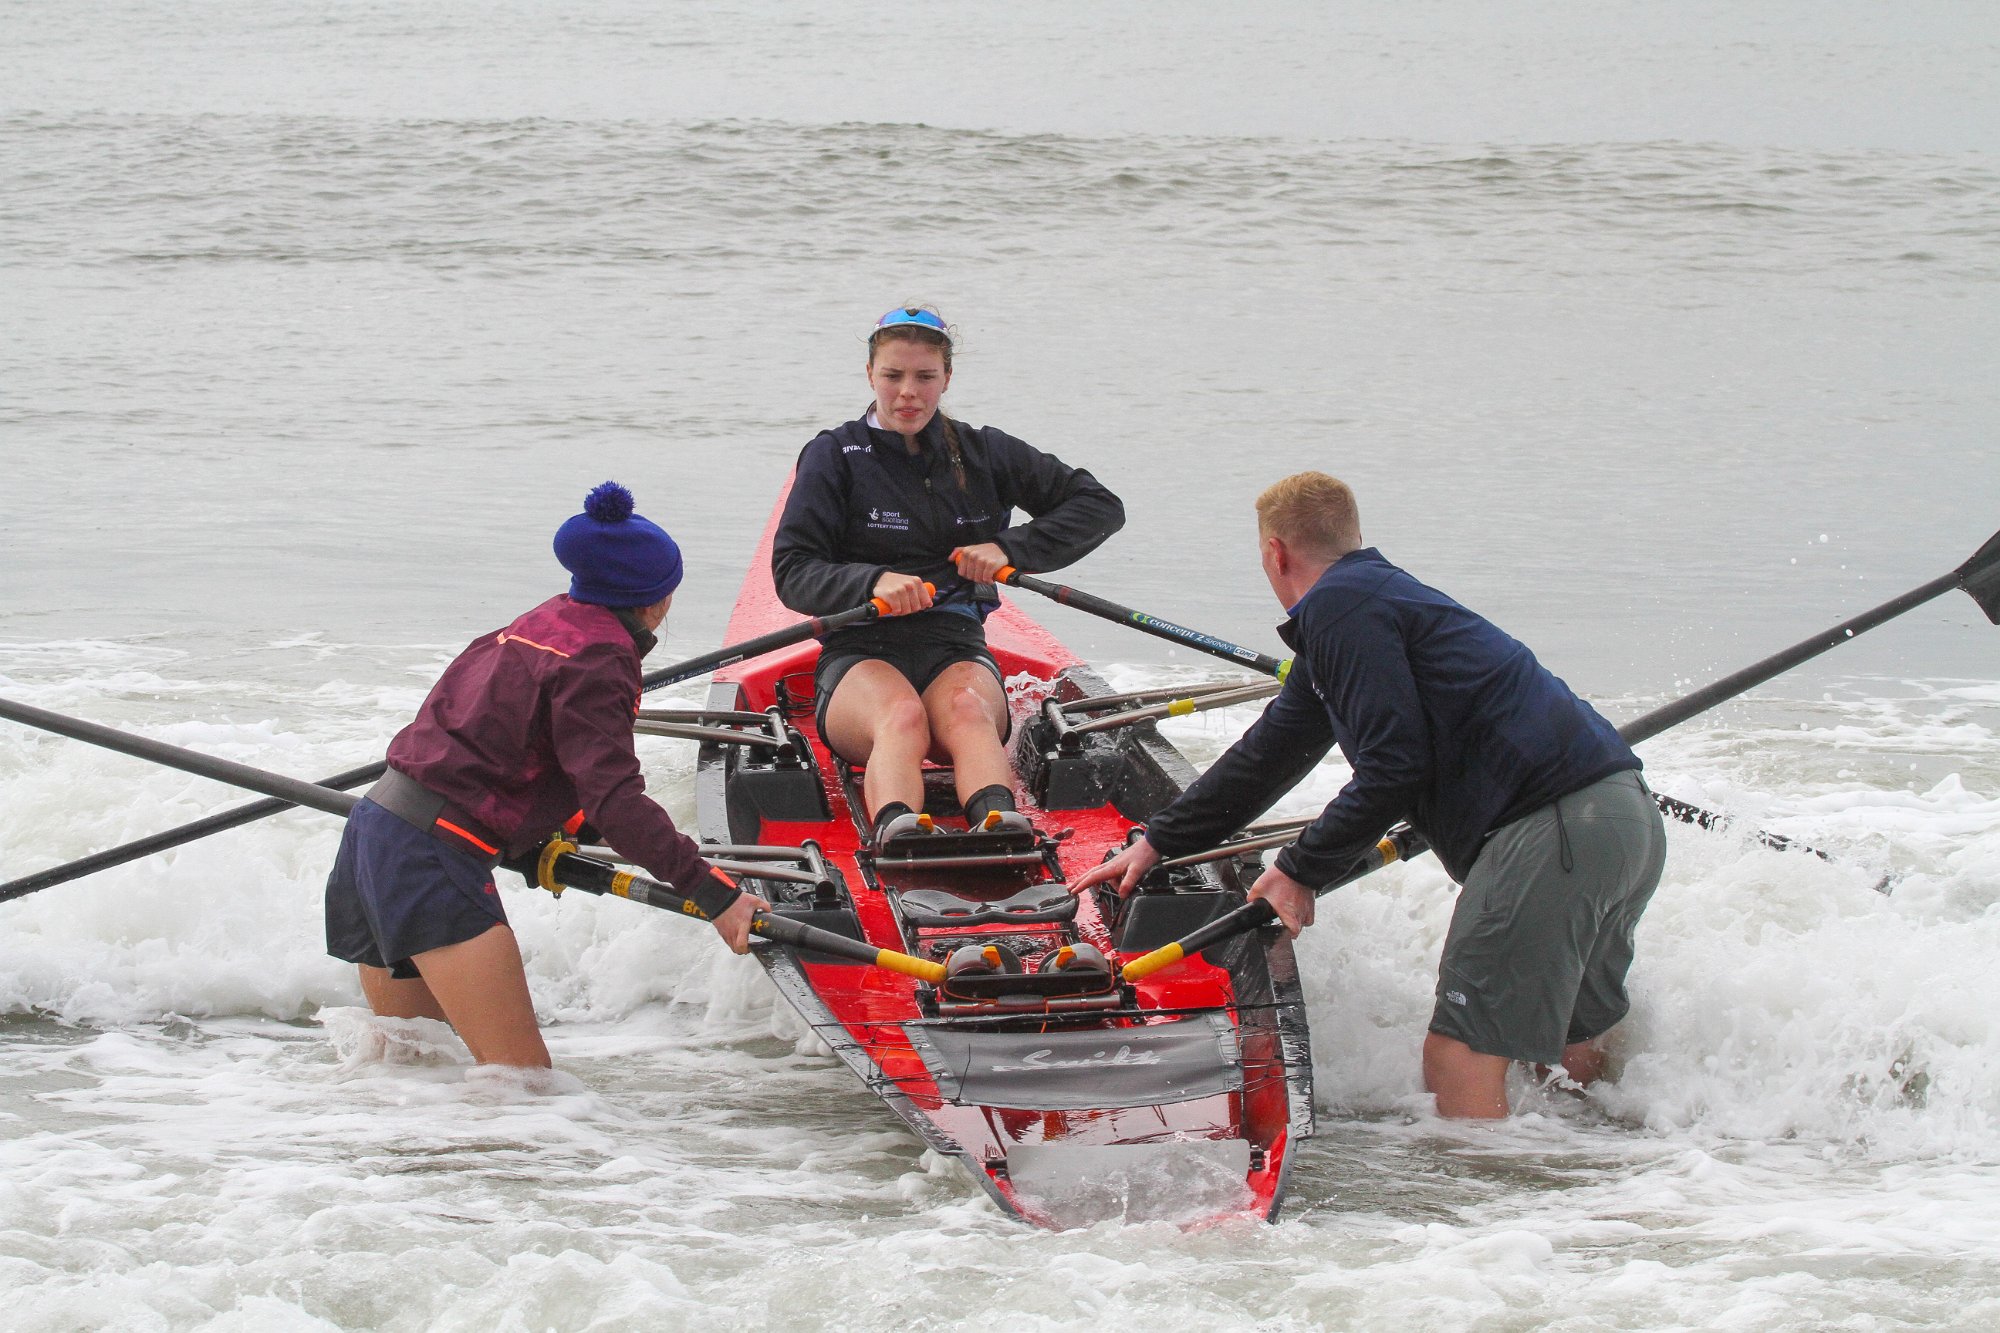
(802, 936)
(228, 819)
(576, 871)
(1410, 843)
(1400, 844)
(1979, 576)
(810, 628)
(1145, 624)
(1255, 842)
(188, 761)
(160, 842)
(1199, 703)
(1708, 819)
(1680, 710)
(1247, 917)
(594, 876)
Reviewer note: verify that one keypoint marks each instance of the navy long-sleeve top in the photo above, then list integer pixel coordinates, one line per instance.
(862, 505)
(1448, 722)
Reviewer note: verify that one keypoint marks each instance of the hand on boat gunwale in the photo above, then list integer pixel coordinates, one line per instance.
(734, 924)
(905, 593)
(980, 563)
(1291, 900)
(1128, 868)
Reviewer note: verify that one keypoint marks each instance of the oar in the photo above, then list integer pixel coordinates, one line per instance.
(1271, 666)
(289, 790)
(1148, 624)
(561, 865)
(558, 864)
(814, 627)
(178, 836)
(1978, 576)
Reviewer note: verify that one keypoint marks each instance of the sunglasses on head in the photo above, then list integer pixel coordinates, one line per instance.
(923, 319)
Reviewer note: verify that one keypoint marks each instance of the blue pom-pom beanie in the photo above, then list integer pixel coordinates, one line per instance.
(615, 557)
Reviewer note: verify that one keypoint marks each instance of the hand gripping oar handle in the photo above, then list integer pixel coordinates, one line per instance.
(175, 837)
(1139, 620)
(560, 866)
(1979, 576)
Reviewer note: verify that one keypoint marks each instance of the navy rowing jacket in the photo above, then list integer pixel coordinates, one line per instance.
(1448, 723)
(862, 505)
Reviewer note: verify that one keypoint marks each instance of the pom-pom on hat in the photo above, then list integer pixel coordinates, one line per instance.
(614, 556)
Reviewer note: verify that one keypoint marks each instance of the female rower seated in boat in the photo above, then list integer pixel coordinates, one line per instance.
(900, 497)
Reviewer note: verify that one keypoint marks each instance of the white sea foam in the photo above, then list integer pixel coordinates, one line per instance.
(1807, 1089)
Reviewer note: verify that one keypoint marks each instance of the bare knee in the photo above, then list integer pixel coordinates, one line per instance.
(874, 707)
(903, 725)
(962, 712)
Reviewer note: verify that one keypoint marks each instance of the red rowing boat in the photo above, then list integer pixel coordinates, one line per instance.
(1067, 1093)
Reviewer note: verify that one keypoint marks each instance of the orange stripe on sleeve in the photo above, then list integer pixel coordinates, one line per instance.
(505, 637)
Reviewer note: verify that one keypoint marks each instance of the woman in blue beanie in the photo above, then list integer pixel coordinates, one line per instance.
(528, 732)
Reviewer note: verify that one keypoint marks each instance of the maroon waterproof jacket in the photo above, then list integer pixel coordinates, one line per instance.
(530, 725)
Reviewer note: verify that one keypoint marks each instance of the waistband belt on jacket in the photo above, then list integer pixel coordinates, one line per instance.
(417, 805)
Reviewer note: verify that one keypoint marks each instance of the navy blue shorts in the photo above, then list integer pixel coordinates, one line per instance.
(396, 891)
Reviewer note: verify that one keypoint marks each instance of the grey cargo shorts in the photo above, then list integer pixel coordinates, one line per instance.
(1541, 940)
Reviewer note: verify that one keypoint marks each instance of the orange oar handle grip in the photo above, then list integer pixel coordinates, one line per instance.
(1004, 574)
(882, 606)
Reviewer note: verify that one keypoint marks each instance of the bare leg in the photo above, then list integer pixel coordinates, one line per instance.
(483, 990)
(876, 719)
(392, 997)
(1469, 1086)
(968, 713)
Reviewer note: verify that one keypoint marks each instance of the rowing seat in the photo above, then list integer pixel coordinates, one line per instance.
(941, 909)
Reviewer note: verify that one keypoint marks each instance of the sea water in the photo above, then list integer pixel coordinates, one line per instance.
(1661, 336)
